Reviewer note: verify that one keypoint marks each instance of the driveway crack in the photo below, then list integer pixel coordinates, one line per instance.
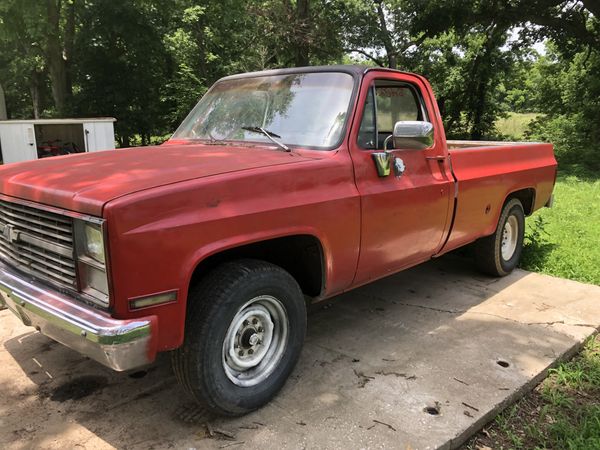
(459, 311)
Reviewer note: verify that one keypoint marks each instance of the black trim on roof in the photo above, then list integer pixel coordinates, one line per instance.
(350, 69)
(345, 68)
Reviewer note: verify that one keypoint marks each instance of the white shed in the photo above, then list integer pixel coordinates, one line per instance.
(25, 140)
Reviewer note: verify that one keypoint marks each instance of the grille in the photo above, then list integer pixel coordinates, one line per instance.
(38, 242)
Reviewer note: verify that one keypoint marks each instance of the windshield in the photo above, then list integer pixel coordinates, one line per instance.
(305, 109)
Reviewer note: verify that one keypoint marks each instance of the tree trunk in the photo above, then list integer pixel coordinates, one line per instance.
(69, 43)
(3, 114)
(57, 67)
(124, 141)
(36, 81)
(481, 76)
(385, 36)
(302, 49)
(480, 101)
(476, 95)
(35, 99)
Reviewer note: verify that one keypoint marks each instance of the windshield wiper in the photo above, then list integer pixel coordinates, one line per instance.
(272, 136)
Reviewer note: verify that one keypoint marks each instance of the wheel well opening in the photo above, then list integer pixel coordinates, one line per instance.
(526, 197)
(301, 256)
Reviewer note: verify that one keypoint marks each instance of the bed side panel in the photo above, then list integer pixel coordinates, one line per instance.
(487, 175)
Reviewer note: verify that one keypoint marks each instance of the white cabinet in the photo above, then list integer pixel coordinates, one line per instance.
(25, 140)
(17, 141)
(99, 136)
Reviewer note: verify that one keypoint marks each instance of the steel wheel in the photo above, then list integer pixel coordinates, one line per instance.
(244, 332)
(255, 341)
(510, 235)
(498, 254)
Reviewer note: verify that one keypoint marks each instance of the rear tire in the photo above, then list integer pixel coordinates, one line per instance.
(245, 328)
(499, 254)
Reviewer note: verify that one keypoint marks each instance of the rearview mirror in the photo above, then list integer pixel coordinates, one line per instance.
(412, 135)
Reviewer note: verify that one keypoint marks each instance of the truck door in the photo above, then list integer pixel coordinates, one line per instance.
(405, 217)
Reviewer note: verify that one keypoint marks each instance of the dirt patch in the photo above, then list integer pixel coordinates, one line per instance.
(362, 378)
(77, 388)
(192, 413)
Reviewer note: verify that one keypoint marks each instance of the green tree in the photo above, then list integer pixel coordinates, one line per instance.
(220, 38)
(121, 66)
(572, 25)
(567, 90)
(466, 65)
(146, 62)
(380, 31)
(37, 39)
(22, 59)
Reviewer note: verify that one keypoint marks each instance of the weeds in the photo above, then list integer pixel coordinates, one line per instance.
(537, 235)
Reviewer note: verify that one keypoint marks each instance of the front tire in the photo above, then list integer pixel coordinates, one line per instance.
(245, 328)
(499, 254)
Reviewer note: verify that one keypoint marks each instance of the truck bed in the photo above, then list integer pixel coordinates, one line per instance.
(486, 173)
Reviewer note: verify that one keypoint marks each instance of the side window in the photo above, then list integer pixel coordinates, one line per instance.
(392, 102)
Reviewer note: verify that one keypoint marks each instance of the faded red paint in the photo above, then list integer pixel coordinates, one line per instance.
(170, 207)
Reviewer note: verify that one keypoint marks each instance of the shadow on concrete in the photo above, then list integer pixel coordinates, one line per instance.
(391, 363)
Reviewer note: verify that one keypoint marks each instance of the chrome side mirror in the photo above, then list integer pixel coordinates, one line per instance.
(412, 135)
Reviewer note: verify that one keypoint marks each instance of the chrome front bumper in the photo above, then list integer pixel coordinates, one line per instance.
(118, 344)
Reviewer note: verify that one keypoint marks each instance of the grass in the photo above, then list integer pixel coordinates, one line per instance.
(515, 124)
(563, 412)
(564, 241)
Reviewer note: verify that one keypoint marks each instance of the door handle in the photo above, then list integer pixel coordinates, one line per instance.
(439, 158)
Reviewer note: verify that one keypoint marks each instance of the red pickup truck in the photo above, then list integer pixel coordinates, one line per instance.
(280, 188)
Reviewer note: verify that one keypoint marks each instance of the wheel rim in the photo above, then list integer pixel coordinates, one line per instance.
(255, 341)
(510, 235)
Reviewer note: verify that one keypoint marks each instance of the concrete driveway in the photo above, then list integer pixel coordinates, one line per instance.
(418, 360)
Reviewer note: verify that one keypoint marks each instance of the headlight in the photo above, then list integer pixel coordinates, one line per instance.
(91, 260)
(94, 242)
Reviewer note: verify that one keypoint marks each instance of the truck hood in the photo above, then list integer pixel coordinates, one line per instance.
(86, 182)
